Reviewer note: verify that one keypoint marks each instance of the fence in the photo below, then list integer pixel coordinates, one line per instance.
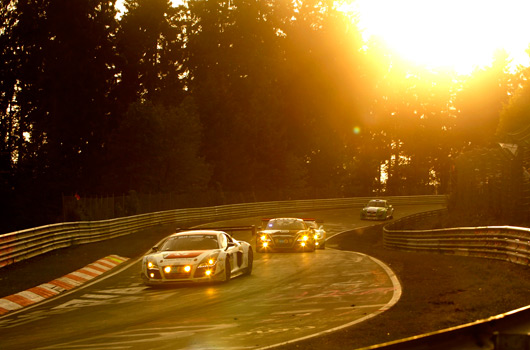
(20, 245)
(495, 242)
(86, 208)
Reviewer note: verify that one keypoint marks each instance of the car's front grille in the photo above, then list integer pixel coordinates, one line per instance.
(176, 275)
(177, 272)
(283, 242)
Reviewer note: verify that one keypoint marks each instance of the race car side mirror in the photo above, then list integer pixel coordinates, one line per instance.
(154, 249)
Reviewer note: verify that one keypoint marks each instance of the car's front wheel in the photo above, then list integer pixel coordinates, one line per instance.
(228, 271)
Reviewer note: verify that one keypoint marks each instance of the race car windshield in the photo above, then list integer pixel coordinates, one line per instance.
(285, 225)
(191, 242)
(376, 204)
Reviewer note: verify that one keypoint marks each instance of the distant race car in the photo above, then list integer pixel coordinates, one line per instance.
(285, 234)
(319, 233)
(377, 209)
(201, 255)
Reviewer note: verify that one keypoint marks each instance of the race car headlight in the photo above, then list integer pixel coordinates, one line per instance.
(264, 238)
(304, 238)
(151, 265)
(209, 262)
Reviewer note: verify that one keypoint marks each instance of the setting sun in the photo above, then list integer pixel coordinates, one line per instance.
(450, 34)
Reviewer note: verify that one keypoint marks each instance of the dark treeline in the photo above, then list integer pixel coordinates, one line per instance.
(264, 96)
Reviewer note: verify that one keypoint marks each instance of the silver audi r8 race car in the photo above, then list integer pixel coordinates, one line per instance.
(202, 255)
(281, 234)
(377, 209)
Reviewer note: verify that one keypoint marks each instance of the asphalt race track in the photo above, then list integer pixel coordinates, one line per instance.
(289, 296)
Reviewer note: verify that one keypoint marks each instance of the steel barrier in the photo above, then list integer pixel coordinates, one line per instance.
(20, 245)
(508, 331)
(507, 243)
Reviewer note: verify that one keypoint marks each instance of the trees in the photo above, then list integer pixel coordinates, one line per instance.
(149, 43)
(514, 114)
(278, 99)
(55, 95)
(155, 149)
(480, 101)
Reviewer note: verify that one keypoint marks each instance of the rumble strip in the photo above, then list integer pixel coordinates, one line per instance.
(57, 286)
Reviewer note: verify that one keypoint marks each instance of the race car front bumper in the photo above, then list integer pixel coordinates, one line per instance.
(154, 276)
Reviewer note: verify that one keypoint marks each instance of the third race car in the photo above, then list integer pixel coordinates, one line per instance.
(377, 209)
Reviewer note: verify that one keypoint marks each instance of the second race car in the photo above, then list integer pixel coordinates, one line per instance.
(285, 234)
(202, 255)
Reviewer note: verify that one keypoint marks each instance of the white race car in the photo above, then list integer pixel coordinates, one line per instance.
(197, 256)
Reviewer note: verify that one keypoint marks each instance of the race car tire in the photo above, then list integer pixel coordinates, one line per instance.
(250, 264)
(228, 272)
(322, 246)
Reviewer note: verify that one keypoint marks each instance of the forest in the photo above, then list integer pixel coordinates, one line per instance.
(255, 100)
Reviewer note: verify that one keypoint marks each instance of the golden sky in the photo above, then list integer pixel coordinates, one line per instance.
(449, 34)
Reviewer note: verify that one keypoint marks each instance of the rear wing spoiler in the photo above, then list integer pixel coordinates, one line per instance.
(228, 229)
(265, 220)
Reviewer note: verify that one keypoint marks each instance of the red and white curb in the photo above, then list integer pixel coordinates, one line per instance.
(47, 290)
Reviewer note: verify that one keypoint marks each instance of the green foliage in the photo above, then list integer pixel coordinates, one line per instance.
(480, 102)
(514, 115)
(156, 149)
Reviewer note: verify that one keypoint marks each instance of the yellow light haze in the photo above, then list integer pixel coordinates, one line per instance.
(458, 35)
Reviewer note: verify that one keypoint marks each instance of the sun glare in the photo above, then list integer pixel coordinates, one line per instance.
(120, 6)
(458, 35)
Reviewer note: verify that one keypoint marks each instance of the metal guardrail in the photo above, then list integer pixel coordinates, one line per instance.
(20, 245)
(506, 243)
(508, 331)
